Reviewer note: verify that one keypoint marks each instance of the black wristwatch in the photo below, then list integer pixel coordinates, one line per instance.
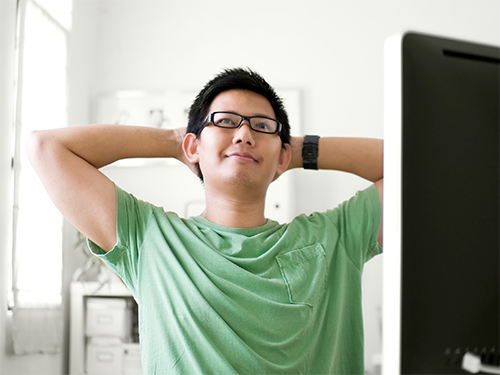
(310, 152)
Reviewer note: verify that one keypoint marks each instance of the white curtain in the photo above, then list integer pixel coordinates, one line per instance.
(37, 330)
(37, 250)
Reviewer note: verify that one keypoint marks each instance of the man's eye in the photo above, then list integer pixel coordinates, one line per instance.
(262, 126)
(225, 121)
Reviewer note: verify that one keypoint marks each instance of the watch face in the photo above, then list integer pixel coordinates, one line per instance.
(310, 153)
(310, 146)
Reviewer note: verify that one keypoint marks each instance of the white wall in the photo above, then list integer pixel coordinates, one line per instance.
(331, 50)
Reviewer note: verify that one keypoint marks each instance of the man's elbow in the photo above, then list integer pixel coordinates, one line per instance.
(34, 145)
(38, 146)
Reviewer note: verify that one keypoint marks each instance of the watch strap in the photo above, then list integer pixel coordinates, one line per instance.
(310, 152)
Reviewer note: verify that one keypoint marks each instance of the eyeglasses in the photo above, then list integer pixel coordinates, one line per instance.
(231, 120)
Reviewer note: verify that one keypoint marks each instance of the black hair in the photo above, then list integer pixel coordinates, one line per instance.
(236, 79)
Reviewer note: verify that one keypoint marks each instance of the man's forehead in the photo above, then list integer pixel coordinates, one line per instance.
(238, 100)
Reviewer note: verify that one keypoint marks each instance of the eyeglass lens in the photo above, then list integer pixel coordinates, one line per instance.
(233, 120)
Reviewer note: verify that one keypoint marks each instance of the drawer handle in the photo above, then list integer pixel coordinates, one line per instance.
(105, 357)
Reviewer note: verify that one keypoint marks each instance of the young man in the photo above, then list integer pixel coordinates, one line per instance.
(228, 291)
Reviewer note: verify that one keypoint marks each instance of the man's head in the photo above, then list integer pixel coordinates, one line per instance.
(236, 79)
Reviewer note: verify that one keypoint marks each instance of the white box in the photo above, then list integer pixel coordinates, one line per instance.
(104, 356)
(108, 317)
(132, 364)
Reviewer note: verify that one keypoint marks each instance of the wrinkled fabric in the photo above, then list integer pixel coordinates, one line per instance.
(276, 299)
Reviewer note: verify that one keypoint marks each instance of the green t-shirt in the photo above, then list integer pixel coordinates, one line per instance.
(276, 299)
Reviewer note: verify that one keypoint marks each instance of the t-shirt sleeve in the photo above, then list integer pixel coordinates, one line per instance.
(132, 218)
(358, 221)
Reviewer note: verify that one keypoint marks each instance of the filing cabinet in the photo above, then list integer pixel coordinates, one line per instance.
(104, 335)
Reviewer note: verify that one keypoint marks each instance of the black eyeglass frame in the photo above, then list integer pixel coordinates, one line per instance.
(210, 120)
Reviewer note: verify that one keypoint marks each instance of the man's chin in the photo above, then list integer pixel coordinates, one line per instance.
(242, 179)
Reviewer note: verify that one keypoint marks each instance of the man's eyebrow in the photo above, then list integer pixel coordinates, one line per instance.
(262, 115)
(258, 114)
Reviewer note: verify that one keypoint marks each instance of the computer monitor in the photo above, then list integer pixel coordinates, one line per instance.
(441, 205)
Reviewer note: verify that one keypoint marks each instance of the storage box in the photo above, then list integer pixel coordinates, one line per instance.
(108, 317)
(132, 364)
(104, 356)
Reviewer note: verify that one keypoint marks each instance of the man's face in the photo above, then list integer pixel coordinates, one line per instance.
(241, 157)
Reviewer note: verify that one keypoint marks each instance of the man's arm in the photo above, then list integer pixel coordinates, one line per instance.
(361, 156)
(68, 160)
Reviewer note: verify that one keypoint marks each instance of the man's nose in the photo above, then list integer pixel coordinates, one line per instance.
(244, 133)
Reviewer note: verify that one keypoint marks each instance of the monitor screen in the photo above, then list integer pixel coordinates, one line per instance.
(441, 230)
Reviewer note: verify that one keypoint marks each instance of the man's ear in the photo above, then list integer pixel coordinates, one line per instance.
(190, 148)
(284, 160)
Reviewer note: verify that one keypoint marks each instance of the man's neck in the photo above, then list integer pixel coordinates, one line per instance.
(235, 212)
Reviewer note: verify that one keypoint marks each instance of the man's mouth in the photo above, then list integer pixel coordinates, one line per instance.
(241, 155)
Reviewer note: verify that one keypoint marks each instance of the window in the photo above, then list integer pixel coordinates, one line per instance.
(41, 98)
